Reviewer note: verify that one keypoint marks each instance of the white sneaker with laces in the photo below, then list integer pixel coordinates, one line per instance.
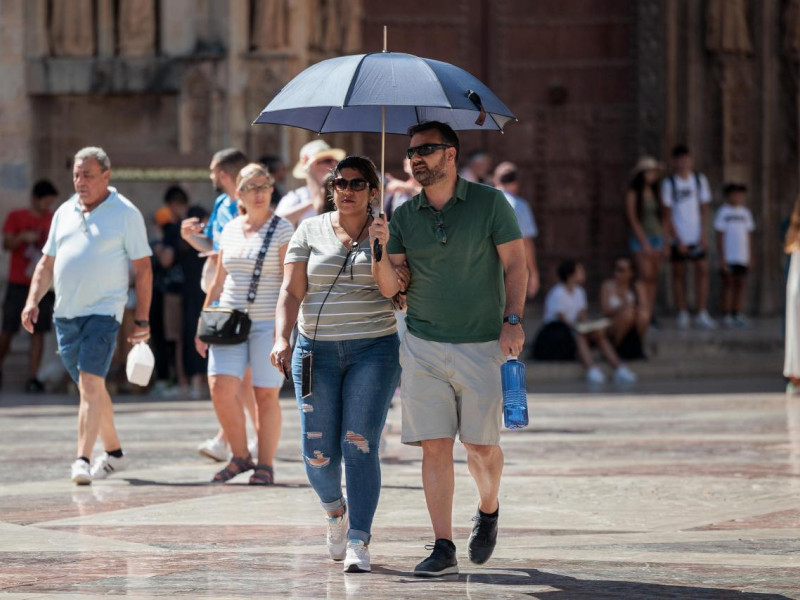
(595, 375)
(80, 472)
(215, 449)
(683, 320)
(704, 321)
(108, 465)
(337, 535)
(624, 375)
(357, 557)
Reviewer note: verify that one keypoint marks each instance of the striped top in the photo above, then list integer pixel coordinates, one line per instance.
(355, 307)
(239, 255)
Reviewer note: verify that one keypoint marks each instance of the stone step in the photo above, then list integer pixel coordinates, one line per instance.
(734, 366)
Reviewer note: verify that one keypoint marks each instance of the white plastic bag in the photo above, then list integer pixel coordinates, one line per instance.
(140, 364)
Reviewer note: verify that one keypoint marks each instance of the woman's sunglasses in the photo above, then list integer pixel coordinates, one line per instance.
(425, 149)
(340, 184)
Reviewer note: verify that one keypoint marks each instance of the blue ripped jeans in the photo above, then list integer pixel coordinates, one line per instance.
(352, 386)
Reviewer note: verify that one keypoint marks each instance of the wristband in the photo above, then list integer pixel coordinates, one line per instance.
(139, 323)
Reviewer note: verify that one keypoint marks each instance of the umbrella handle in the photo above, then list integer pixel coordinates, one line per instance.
(377, 251)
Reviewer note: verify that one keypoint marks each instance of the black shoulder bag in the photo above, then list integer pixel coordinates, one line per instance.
(229, 326)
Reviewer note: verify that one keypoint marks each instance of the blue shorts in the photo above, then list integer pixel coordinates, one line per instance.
(86, 344)
(655, 241)
(234, 359)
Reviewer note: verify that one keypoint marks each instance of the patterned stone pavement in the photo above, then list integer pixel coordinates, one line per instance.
(679, 489)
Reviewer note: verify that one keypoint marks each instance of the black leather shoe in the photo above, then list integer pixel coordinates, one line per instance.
(483, 538)
(442, 560)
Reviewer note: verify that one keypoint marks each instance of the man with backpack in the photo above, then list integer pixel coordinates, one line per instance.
(686, 197)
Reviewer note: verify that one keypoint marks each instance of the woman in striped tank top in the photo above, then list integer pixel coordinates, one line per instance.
(350, 329)
(239, 246)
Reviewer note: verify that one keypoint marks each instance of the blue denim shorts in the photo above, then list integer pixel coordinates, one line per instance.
(86, 344)
(233, 360)
(655, 241)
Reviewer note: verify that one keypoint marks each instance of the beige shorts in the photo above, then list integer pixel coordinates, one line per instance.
(450, 389)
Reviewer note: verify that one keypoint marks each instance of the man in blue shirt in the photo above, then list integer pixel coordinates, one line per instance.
(223, 171)
(93, 238)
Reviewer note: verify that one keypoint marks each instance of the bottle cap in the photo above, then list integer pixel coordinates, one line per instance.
(511, 357)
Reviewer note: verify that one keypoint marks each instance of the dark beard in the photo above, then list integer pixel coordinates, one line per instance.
(433, 175)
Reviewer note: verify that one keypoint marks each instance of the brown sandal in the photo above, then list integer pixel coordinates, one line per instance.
(236, 466)
(263, 475)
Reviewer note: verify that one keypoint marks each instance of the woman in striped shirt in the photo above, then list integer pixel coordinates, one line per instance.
(239, 246)
(350, 329)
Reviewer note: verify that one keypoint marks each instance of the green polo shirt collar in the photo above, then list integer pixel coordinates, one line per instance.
(459, 195)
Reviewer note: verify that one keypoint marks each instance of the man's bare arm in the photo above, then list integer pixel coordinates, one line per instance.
(512, 255)
(40, 283)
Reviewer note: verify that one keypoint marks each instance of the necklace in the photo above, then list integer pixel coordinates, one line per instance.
(354, 242)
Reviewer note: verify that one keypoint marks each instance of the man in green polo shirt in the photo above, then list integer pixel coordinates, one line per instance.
(465, 251)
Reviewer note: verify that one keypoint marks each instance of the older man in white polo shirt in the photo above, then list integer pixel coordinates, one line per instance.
(93, 238)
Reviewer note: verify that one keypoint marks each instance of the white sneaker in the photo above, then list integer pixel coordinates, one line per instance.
(595, 375)
(704, 321)
(337, 535)
(80, 472)
(215, 449)
(739, 320)
(683, 321)
(108, 465)
(357, 557)
(624, 375)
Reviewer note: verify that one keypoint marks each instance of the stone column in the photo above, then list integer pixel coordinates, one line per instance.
(650, 64)
(15, 129)
(178, 27)
(137, 27)
(72, 28)
(769, 292)
(236, 72)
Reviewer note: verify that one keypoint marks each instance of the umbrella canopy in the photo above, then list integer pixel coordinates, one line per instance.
(347, 94)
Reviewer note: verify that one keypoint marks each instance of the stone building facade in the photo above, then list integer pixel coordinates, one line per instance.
(162, 84)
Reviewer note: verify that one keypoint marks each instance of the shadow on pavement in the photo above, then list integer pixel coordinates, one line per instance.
(553, 586)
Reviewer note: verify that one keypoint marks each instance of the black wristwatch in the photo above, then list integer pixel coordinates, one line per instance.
(513, 319)
(139, 323)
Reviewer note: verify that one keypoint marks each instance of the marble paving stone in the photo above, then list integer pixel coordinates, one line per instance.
(673, 491)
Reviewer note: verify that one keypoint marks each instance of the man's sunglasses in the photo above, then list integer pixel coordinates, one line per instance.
(340, 184)
(425, 149)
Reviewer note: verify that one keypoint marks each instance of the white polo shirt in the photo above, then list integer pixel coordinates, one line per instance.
(92, 252)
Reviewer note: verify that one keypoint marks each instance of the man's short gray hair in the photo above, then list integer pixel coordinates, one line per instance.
(96, 153)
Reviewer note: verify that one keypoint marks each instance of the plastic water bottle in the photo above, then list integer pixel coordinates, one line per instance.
(515, 400)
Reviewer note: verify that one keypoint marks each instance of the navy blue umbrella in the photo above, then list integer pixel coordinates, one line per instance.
(384, 92)
(348, 93)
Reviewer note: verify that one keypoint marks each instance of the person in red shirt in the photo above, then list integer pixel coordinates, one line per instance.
(24, 234)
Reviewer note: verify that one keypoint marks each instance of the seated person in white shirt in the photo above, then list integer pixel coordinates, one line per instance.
(565, 307)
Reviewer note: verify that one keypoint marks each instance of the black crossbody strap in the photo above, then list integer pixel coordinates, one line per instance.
(251, 294)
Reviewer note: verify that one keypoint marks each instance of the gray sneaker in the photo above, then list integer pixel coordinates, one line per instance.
(336, 537)
(442, 560)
